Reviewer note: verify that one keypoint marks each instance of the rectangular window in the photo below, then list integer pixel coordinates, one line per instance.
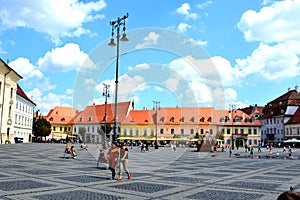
(172, 130)
(60, 128)
(54, 128)
(250, 142)
(130, 132)
(145, 132)
(125, 132)
(255, 131)
(242, 131)
(136, 132)
(228, 131)
(192, 131)
(152, 132)
(249, 131)
(236, 130)
(255, 142)
(161, 131)
(182, 131)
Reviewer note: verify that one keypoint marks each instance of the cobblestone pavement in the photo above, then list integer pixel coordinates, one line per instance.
(39, 171)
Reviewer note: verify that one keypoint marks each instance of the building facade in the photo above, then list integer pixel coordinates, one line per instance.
(24, 112)
(60, 119)
(292, 126)
(8, 91)
(89, 123)
(275, 114)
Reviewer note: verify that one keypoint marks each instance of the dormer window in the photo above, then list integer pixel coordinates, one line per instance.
(81, 119)
(192, 119)
(227, 119)
(162, 119)
(209, 119)
(270, 105)
(222, 119)
(280, 103)
(62, 120)
(90, 119)
(182, 119)
(172, 119)
(202, 119)
(51, 119)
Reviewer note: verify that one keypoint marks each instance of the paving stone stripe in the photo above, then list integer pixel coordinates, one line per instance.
(39, 171)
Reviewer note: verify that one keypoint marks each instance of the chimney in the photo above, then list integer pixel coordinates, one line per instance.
(132, 104)
(289, 89)
(296, 88)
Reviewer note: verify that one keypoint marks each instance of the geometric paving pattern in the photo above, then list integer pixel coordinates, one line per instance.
(218, 194)
(144, 187)
(41, 172)
(21, 185)
(77, 195)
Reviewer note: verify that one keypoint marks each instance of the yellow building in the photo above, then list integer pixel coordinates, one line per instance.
(60, 119)
(239, 129)
(8, 90)
(167, 124)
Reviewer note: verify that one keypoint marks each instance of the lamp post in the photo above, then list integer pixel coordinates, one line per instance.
(232, 108)
(116, 25)
(156, 107)
(106, 94)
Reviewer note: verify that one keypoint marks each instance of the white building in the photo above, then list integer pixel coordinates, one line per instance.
(23, 116)
(8, 91)
(276, 113)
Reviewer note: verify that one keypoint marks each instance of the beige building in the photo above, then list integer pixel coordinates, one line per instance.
(8, 91)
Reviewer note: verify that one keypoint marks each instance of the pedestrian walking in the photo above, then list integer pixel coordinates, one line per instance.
(123, 162)
(230, 151)
(259, 149)
(290, 152)
(113, 154)
(251, 152)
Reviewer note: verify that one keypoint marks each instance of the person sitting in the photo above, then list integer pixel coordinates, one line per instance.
(73, 152)
(67, 149)
(84, 146)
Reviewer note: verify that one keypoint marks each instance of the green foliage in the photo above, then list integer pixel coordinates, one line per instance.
(41, 127)
(197, 136)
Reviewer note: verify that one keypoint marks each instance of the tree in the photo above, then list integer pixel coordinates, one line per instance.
(41, 127)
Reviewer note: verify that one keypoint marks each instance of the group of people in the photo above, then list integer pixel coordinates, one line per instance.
(116, 156)
(71, 151)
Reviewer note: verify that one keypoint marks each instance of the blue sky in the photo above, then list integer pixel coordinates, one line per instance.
(181, 53)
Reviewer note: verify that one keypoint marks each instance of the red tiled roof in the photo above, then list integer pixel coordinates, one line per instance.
(61, 115)
(179, 116)
(21, 93)
(95, 113)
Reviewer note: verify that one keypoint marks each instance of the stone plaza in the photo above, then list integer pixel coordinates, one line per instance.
(39, 171)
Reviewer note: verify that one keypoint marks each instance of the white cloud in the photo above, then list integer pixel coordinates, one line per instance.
(64, 59)
(204, 5)
(194, 42)
(47, 101)
(272, 62)
(26, 69)
(182, 27)
(56, 18)
(150, 39)
(275, 23)
(184, 9)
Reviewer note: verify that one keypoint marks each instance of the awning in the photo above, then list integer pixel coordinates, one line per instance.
(293, 140)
